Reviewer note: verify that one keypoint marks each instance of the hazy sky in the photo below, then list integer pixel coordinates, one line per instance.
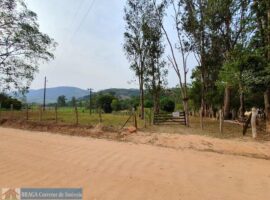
(90, 39)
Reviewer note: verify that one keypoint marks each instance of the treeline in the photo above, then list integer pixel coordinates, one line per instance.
(7, 102)
(230, 40)
(110, 102)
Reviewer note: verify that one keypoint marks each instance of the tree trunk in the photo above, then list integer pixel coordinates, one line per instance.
(227, 102)
(242, 105)
(156, 103)
(201, 117)
(185, 104)
(267, 109)
(221, 121)
(142, 102)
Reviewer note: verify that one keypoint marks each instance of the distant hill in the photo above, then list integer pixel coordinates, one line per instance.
(122, 93)
(36, 96)
(118, 92)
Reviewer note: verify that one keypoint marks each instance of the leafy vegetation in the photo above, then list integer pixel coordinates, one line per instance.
(22, 45)
(7, 101)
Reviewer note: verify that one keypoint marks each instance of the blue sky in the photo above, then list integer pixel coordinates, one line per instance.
(89, 52)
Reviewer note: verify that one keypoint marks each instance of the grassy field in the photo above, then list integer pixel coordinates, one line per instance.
(68, 116)
(117, 120)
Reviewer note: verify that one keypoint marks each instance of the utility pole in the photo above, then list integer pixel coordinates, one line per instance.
(44, 97)
(90, 103)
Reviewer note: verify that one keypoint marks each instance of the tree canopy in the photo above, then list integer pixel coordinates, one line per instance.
(22, 45)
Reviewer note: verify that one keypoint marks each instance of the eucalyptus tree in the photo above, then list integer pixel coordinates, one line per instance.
(135, 46)
(156, 72)
(216, 24)
(261, 42)
(22, 45)
(181, 47)
(142, 45)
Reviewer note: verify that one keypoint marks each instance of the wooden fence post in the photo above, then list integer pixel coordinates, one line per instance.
(40, 113)
(99, 115)
(201, 117)
(27, 114)
(56, 114)
(268, 121)
(144, 119)
(221, 120)
(253, 122)
(150, 117)
(11, 109)
(135, 121)
(76, 115)
(245, 127)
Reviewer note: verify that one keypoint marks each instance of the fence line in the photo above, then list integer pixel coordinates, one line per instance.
(65, 115)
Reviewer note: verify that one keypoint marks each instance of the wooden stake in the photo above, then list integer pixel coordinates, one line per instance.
(27, 114)
(99, 114)
(56, 114)
(221, 120)
(76, 115)
(253, 122)
(268, 121)
(127, 120)
(201, 117)
(144, 119)
(11, 109)
(245, 127)
(40, 113)
(135, 121)
(150, 117)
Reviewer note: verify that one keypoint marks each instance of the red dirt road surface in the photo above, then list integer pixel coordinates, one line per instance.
(122, 170)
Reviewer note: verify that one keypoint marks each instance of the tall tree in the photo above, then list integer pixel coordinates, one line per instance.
(261, 41)
(135, 44)
(61, 101)
(182, 47)
(73, 101)
(155, 76)
(139, 40)
(22, 45)
(212, 24)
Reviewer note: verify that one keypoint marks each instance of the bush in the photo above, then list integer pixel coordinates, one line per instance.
(116, 105)
(167, 105)
(104, 102)
(148, 104)
(6, 101)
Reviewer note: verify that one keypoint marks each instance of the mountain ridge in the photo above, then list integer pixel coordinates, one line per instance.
(36, 95)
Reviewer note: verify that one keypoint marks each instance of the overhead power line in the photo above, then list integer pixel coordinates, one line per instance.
(84, 17)
(77, 12)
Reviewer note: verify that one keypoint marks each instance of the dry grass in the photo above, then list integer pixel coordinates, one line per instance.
(211, 128)
(116, 121)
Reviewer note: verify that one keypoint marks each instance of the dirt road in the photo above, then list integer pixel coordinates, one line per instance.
(117, 170)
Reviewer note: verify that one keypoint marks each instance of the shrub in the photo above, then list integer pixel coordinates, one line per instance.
(6, 101)
(116, 105)
(148, 104)
(167, 105)
(104, 102)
